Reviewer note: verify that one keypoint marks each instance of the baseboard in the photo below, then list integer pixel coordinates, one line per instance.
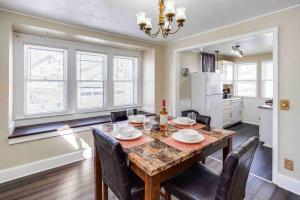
(253, 123)
(41, 165)
(288, 183)
(11, 127)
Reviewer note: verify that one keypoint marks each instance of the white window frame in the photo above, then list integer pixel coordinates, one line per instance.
(71, 89)
(236, 81)
(135, 80)
(263, 80)
(104, 81)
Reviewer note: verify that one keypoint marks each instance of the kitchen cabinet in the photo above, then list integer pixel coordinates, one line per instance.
(232, 111)
(266, 125)
(226, 71)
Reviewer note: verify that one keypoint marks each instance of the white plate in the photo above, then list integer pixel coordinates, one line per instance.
(138, 119)
(136, 134)
(178, 137)
(184, 121)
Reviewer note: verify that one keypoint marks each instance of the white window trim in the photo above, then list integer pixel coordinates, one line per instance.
(65, 87)
(71, 88)
(105, 99)
(263, 81)
(135, 81)
(235, 79)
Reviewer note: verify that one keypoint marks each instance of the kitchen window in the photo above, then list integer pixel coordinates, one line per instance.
(246, 79)
(91, 69)
(45, 80)
(267, 79)
(125, 81)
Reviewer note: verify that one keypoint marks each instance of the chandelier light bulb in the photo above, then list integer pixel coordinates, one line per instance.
(167, 26)
(170, 8)
(180, 14)
(148, 23)
(141, 18)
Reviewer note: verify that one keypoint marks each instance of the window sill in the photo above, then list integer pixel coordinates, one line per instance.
(46, 130)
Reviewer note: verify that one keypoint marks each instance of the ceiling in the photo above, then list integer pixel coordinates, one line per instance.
(250, 46)
(118, 16)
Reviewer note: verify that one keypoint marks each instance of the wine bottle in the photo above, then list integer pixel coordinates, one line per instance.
(163, 117)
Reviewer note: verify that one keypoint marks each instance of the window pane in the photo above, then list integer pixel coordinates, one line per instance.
(246, 71)
(90, 66)
(90, 95)
(123, 93)
(123, 68)
(267, 89)
(267, 70)
(44, 63)
(44, 97)
(246, 88)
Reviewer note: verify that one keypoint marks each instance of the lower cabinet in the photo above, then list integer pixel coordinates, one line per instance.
(232, 111)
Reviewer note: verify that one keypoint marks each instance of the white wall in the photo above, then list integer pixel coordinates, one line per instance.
(149, 81)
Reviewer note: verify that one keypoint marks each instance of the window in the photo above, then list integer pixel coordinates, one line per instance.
(90, 80)
(45, 80)
(245, 79)
(267, 79)
(227, 72)
(124, 78)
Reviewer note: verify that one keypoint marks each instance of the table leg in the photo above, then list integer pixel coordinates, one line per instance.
(104, 191)
(97, 174)
(152, 187)
(227, 149)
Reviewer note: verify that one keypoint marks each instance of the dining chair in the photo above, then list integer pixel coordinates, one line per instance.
(201, 182)
(186, 112)
(202, 119)
(116, 174)
(118, 116)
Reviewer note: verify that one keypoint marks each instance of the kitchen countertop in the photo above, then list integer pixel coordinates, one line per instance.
(232, 98)
(266, 107)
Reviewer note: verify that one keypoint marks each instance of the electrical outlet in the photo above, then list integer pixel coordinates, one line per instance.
(289, 164)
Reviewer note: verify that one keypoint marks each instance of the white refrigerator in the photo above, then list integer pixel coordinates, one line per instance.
(206, 92)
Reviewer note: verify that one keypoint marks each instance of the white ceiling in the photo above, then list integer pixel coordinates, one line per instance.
(250, 46)
(118, 16)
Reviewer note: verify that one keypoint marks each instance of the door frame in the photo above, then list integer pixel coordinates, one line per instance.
(176, 89)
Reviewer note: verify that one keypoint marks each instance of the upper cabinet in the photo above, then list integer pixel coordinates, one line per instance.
(226, 70)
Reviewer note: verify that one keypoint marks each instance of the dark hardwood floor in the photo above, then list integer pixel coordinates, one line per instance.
(75, 182)
(262, 162)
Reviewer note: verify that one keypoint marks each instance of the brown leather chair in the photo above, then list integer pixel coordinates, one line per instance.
(201, 182)
(115, 172)
(118, 116)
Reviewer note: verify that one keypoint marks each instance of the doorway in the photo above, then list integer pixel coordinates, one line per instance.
(259, 56)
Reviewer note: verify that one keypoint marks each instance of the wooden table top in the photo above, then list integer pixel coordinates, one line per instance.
(156, 156)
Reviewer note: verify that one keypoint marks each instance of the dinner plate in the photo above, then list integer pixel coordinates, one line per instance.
(136, 134)
(137, 119)
(178, 137)
(184, 121)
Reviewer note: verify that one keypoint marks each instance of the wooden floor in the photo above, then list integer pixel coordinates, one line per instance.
(75, 181)
(262, 162)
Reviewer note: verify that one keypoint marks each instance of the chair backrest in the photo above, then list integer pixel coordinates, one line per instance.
(202, 119)
(186, 112)
(235, 171)
(118, 116)
(113, 164)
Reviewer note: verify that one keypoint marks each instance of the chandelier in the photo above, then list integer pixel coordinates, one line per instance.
(236, 51)
(167, 13)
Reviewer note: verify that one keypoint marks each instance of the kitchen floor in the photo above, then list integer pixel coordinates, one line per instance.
(262, 162)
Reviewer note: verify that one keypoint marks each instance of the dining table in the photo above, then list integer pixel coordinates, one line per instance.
(156, 156)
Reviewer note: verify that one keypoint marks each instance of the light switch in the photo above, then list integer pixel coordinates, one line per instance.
(284, 104)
